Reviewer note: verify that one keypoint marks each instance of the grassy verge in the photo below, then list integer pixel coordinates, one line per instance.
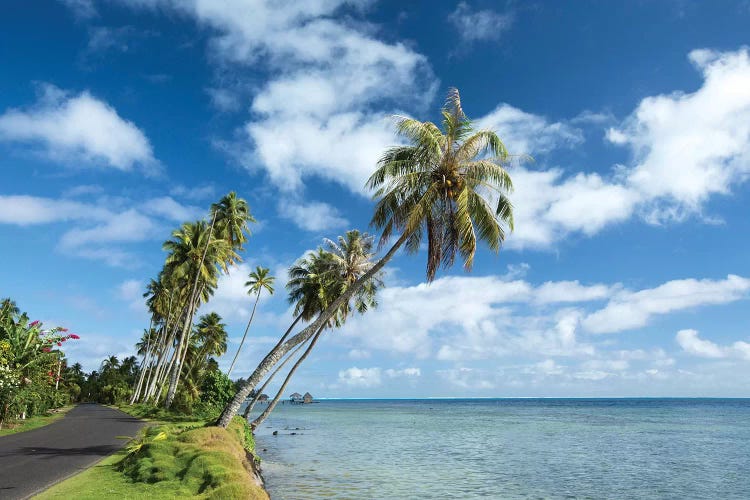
(33, 422)
(175, 457)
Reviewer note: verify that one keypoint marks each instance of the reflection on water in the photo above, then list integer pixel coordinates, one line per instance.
(509, 448)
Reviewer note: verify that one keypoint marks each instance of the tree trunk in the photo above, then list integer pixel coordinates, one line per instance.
(273, 357)
(250, 406)
(262, 388)
(180, 356)
(244, 335)
(141, 375)
(276, 399)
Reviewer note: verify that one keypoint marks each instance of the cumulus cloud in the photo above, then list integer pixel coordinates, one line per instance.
(428, 321)
(689, 146)
(78, 128)
(475, 25)
(322, 114)
(528, 134)
(312, 216)
(686, 147)
(628, 310)
(95, 230)
(360, 377)
(691, 343)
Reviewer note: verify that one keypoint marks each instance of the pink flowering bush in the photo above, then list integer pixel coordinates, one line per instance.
(30, 360)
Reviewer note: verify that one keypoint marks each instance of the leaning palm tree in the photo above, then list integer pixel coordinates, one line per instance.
(259, 280)
(318, 279)
(335, 271)
(450, 185)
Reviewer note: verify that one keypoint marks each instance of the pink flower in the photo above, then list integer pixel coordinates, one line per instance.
(46, 349)
(63, 329)
(74, 336)
(33, 323)
(59, 343)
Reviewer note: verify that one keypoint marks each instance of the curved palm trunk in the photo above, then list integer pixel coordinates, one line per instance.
(258, 393)
(142, 374)
(244, 335)
(275, 355)
(254, 425)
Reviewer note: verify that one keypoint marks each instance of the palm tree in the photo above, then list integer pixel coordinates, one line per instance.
(232, 215)
(211, 336)
(329, 274)
(443, 183)
(194, 256)
(259, 280)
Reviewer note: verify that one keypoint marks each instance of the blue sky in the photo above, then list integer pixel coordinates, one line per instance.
(627, 274)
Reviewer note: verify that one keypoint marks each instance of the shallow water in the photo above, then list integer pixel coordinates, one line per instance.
(509, 448)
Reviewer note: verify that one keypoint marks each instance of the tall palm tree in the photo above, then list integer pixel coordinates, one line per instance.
(232, 215)
(194, 256)
(259, 280)
(449, 184)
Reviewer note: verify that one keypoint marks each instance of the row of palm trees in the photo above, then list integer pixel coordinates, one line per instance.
(197, 254)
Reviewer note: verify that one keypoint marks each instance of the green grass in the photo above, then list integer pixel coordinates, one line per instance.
(33, 422)
(175, 457)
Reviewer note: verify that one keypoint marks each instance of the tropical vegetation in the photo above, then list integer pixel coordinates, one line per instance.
(33, 367)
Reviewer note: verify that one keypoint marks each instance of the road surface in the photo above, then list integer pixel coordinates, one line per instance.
(32, 461)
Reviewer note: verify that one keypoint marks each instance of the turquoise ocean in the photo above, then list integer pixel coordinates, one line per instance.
(508, 448)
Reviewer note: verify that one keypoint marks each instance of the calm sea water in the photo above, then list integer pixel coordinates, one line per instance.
(509, 448)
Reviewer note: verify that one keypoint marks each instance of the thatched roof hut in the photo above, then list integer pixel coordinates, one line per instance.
(263, 398)
(307, 398)
(296, 397)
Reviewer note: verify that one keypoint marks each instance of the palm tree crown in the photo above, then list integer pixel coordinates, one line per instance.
(443, 184)
(260, 279)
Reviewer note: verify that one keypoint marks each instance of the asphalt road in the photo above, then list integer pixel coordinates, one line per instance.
(35, 460)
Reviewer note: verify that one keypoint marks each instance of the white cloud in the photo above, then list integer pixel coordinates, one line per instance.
(686, 148)
(427, 320)
(129, 290)
(78, 128)
(167, 208)
(128, 226)
(528, 134)
(692, 344)
(405, 372)
(315, 117)
(689, 146)
(26, 210)
(312, 216)
(570, 291)
(360, 377)
(475, 25)
(92, 228)
(628, 310)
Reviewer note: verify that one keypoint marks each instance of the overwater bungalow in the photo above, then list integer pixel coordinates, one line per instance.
(307, 398)
(263, 398)
(296, 398)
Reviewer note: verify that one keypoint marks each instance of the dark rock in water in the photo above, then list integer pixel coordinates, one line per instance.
(275, 433)
(293, 434)
(265, 449)
(297, 429)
